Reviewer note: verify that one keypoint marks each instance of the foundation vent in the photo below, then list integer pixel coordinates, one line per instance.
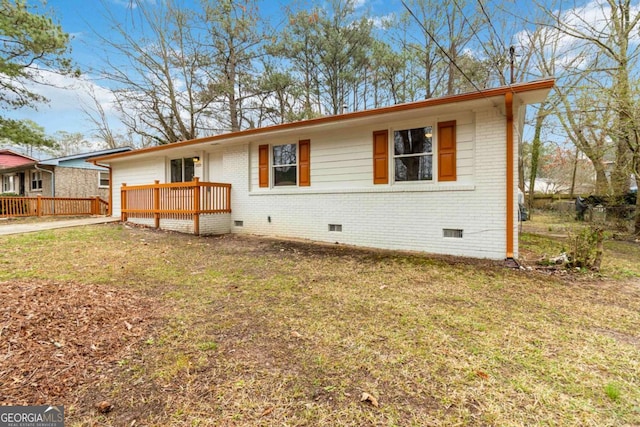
(238, 223)
(335, 227)
(452, 232)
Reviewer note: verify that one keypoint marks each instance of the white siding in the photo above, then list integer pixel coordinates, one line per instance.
(406, 216)
(136, 172)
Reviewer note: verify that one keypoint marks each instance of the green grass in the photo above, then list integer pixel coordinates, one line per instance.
(263, 332)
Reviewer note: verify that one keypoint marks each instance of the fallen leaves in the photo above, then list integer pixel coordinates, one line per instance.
(56, 335)
(366, 397)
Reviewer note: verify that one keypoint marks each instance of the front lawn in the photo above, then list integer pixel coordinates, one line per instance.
(243, 331)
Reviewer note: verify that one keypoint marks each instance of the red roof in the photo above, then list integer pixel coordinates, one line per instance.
(10, 159)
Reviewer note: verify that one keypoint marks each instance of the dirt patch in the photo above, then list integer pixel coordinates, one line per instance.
(56, 336)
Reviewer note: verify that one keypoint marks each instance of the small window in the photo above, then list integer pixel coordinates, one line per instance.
(413, 154)
(285, 166)
(103, 179)
(8, 184)
(452, 232)
(335, 227)
(36, 180)
(182, 170)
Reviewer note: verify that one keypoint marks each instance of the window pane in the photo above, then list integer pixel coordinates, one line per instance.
(414, 168)
(284, 154)
(413, 141)
(188, 169)
(285, 175)
(176, 170)
(104, 179)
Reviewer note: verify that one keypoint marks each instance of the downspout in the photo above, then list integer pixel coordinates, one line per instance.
(53, 181)
(508, 101)
(109, 208)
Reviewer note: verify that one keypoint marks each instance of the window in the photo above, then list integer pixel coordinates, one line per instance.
(182, 170)
(103, 179)
(8, 184)
(285, 166)
(36, 180)
(413, 154)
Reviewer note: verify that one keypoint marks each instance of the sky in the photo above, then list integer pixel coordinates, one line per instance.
(83, 20)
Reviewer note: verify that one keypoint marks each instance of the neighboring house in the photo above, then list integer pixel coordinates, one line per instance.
(438, 175)
(13, 167)
(68, 176)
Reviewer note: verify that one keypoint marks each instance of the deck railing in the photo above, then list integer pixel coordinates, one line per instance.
(176, 200)
(48, 206)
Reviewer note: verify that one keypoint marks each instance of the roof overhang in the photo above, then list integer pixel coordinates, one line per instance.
(523, 94)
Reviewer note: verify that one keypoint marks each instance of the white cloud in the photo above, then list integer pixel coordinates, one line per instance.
(67, 97)
(381, 22)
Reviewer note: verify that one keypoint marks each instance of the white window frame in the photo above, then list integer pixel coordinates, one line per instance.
(35, 181)
(8, 183)
(431, 153)
(100, 179)
(274, 165)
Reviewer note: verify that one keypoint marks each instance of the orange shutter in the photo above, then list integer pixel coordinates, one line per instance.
(381, 157)
(447, 151)
(263, 165)
(304, 163)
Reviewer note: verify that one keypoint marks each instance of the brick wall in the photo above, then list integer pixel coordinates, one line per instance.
(75, 182)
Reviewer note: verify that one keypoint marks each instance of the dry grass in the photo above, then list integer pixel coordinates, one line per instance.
(265, 332)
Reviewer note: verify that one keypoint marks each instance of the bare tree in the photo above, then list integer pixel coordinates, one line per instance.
(605, 32)
(160, 87)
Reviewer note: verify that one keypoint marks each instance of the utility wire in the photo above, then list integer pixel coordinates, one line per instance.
(475, 33)
(511, 50)
(491, 25)
(440, 47)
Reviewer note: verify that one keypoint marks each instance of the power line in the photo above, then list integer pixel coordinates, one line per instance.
(478, 37)
(424, 28)
(491, 25)
(511, 49)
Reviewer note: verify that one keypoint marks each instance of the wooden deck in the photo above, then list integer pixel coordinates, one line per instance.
(176, 200)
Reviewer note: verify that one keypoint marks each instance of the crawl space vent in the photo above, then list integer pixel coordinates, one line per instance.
(238, 223)
(452, 232)
(335, 227)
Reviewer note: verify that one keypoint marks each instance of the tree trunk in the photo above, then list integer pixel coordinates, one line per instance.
(636, 227)
(535, 156)
(602, 182)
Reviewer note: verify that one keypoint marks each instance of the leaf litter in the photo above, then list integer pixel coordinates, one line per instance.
(55, 336)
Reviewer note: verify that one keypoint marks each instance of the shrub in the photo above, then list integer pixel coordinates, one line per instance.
(586, 248)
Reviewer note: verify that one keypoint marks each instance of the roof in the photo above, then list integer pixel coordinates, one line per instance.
(524, 93)
(11, 159)
(84, 156)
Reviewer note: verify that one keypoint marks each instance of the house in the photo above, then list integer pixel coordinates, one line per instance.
(438, 175)
(12, 171)
(68, 176)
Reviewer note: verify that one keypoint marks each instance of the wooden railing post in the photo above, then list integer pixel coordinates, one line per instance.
(123, 202)
(196, 206)
(156, 204)
(39, 206)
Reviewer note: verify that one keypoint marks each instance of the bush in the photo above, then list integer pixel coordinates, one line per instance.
(586, 248)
